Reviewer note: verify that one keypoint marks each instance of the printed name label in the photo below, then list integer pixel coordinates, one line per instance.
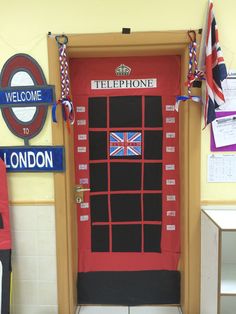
(170, 149)
(171, 213)
(84, 205)
(170, 182)
(169, 167)
(170, 108)
(170, 135)
(127, 84)
(80, 109)
(170, 227)
(83, 167)
(170, 120)
(82, 137)
(81, 149)
(81, 122)
(170, 198)
(83, 181)
(84, 218)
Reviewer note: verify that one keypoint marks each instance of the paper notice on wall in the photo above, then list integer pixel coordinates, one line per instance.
(224, 130)
(229, 90)
(221, 168)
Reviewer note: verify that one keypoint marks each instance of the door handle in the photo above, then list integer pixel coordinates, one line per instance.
(79, 189)
(79, 193)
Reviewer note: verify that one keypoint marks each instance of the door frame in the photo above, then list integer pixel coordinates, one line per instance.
(115, 45)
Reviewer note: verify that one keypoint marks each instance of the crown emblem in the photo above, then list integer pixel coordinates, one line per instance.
(122, 70)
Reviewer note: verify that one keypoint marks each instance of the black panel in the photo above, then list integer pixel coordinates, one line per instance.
(5, 258)
(126, 111)
(126, 238)
(153, 144)
(98, 112)
(125, 176)
(100, 238)
(129, 288)
(97, 145)
(153, 111)
(99, 208)
(153, 176)
(152, 238)
(98, 177)
(152, 204)
(126, 207)
(1, 222)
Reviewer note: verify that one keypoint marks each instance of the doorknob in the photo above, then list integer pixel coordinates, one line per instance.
(79, 188)
(79, 193)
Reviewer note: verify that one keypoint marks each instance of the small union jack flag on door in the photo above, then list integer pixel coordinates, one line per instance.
(125, 144)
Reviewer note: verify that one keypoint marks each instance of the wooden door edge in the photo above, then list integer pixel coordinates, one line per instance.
(65, 232)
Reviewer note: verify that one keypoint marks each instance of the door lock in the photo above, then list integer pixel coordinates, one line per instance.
(79, 193)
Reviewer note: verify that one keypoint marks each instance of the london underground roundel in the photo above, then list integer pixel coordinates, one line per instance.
(24, 96)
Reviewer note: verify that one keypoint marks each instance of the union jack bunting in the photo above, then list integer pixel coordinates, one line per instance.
(125, 143)
(214, 66)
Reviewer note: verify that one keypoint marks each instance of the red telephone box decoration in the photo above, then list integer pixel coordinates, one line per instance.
(126, 152)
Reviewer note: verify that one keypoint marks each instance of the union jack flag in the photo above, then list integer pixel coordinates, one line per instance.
(212, 61)
(125, 143)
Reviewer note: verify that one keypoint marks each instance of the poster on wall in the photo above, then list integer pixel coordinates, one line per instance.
(223, 129)
(24, 100)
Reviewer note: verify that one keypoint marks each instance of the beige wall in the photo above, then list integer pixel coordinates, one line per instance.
(24, 27)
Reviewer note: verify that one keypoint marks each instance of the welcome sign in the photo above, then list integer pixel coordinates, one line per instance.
(27, 95)
(24, 100)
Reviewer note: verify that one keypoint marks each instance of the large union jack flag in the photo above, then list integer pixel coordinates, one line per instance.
(125, 143)
(212, 61)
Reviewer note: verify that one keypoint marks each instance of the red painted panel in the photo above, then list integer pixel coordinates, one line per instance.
(167, 72)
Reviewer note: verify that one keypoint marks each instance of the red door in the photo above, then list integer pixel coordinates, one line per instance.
(126, 153)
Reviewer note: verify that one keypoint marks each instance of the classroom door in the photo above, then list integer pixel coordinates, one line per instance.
(126, 154)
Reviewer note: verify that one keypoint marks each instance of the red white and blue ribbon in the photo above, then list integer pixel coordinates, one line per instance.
(65, 100)
(193, 72)
(185, 98)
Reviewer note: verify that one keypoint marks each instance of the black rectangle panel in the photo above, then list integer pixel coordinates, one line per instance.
(129, 287)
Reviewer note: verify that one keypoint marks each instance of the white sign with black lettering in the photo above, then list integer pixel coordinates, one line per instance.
(124, 84)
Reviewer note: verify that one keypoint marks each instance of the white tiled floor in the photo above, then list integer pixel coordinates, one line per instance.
(128, 310)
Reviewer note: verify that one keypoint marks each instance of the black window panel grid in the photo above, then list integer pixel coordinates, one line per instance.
(100, 238)
(153, 111)
(126, 238)
(97, 145)
(97, 107)
(153, 176)
(153, 145)
(125, 176)
(99, 208)
(152, 207)
(98, 177)
(125, 111)
(126, 207)
(152, 238)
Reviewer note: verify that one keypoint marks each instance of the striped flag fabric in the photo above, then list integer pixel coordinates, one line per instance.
(212, 62)
(125, 144)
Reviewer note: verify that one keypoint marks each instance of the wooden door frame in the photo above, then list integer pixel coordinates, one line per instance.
(134, 44)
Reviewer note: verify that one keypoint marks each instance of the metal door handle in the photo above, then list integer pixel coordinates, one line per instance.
(80, 189)
(79, 193)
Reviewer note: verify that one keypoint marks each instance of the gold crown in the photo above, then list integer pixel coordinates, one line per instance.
(122, 70)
